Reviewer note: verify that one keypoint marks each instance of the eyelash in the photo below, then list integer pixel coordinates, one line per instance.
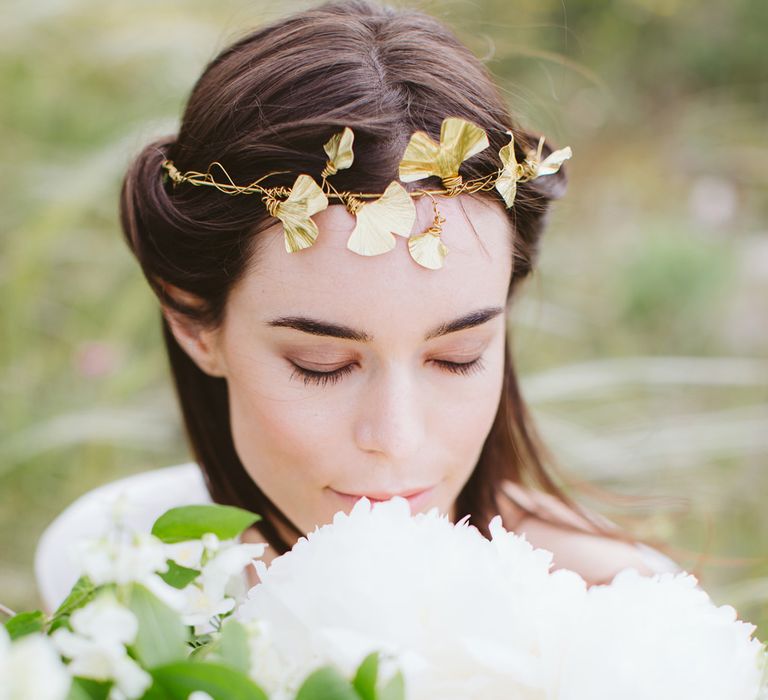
(312, 377)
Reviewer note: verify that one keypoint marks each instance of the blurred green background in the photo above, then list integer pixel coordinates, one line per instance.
(643, 338)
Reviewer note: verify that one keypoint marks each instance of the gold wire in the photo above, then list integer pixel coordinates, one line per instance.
(353, 204)
(454, 186)
(436, 228)
(328, 170)
(271, 202)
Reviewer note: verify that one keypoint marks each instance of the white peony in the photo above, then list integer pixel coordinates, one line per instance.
(96, 646)
(30, 667)
(662, 638)
(466, 617)
(463, 616)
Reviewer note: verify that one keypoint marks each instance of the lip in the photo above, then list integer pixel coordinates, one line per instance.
(416, 499)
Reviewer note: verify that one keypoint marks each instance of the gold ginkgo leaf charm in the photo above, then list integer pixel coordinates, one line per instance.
(551, 164)
(427, 249)
(306, 198)
(339, 151)
(459, 140)
(535, 167)
(506, 183)
(393, 212)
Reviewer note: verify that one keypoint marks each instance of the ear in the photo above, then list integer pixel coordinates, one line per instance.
(201, 344)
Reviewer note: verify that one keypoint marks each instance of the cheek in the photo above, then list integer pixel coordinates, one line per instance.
(277, 432)
(469, 413)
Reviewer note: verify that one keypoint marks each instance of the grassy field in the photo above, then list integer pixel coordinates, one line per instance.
(642, 339)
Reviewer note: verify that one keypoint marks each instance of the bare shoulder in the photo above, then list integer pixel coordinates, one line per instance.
(595, 557)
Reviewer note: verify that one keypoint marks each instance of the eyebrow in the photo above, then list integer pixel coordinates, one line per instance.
(335, 330)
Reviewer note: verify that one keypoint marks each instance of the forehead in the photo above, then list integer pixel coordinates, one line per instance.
(332, 283)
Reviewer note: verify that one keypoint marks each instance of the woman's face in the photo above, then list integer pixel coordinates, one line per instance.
(367, 375)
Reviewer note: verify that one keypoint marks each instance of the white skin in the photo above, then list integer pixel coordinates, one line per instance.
(397, 419)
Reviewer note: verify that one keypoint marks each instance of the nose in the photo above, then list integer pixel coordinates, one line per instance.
(391, 420)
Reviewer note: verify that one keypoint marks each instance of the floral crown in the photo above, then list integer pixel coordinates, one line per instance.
(392, 212)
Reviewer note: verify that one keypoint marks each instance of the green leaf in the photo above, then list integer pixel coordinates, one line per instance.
(192, 522)
(204, 652)
(88, 689)
(221, 682)
(25, 623)
(394, 688)
(326, 683)
(179, 576)
(155, 692)
(365, 678)
(229, 647)
(233, 646)
(162, 636)
(81, 594)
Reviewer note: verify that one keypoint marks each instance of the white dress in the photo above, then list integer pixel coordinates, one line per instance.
(153, 492)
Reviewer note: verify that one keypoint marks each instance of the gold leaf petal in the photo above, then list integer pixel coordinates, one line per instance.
(306, 198)
(420, 157)
(427, 249)
(506, 183)
(339, 149)
(459, 140)
(307, 191)
(393, 212)
(551, 164)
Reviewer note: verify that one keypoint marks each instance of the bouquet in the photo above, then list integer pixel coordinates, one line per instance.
(377, 605)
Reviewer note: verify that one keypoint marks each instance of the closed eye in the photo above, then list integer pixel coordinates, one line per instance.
(475, 365)
(310, 376)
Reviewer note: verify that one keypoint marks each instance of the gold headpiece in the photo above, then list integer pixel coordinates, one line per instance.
(392, 212)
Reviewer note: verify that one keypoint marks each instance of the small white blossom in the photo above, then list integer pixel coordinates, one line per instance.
(124, 556)
(96, 646)
(188, 553)
(30, 668)
(199, 608)
(211, 542)
(228, 562)
(121, 557)
(210, 595)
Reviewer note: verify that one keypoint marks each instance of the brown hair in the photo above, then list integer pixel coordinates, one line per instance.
(268, 102)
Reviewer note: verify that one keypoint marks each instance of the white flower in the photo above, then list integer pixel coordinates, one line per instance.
(199, 608)
(660, 637)
(463, 616)
(228, 562)
(96, 647)
(218, 588)
(187, 553)
(30, 667)
(121, 557)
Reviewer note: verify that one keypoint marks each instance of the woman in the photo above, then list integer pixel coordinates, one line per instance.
(310, 378)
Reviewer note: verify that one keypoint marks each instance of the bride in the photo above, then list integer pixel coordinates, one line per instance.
(317, 357)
